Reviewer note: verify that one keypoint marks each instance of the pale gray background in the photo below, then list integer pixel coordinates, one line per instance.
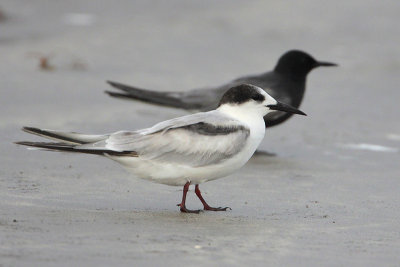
(325, 199)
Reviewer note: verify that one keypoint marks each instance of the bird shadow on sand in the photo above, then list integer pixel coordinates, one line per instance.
(221, 221)
(264, 153)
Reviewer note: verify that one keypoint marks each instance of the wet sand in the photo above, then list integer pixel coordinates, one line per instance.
(330, 196)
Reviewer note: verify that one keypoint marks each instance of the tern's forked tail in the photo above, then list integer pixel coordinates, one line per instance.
(71, 142)
(63, 147)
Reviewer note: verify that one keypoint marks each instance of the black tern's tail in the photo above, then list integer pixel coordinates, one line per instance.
(170, 99)
(71, 142)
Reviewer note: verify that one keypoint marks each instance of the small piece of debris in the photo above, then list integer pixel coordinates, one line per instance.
(15, 220)
(44, 63)
(44, 60)
(78, 65)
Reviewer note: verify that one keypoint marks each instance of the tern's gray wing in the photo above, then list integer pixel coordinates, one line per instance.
(193, 140)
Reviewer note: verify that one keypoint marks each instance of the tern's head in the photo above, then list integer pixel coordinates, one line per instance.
(298, 63)
(248, 98)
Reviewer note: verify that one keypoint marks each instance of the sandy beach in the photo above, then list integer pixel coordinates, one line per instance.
(329, 197)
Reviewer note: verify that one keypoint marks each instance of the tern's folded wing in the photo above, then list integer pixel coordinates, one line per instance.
(194, 140)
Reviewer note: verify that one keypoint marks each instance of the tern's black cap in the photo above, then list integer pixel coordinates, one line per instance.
(242, 93)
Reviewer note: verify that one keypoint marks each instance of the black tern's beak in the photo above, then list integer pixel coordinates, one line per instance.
(324, 64)
(286, 108)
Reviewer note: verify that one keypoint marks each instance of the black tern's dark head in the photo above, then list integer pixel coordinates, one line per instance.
(247, 98)
(298, 63)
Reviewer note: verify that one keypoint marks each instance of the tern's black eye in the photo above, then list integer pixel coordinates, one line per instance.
(258, 97)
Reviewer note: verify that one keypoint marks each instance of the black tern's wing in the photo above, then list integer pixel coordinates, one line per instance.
(169, 99)
(194, 140)
(200, 99)
(206, 99)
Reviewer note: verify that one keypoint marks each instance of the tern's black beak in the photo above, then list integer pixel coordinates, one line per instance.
(324, 64)
(286, 108)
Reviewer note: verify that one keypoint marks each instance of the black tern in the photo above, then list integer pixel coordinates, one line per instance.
(192, 149)
(286, 83)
